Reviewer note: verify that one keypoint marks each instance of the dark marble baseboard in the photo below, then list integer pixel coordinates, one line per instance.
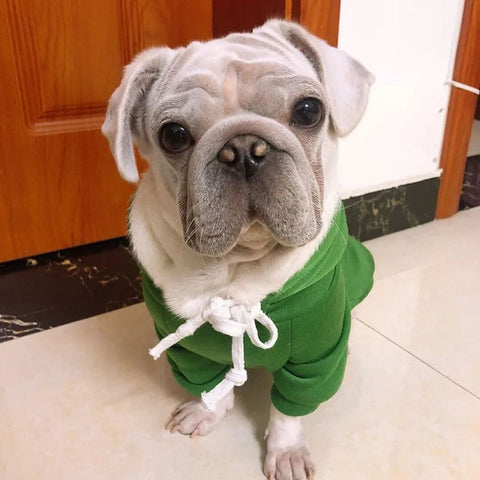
(387, 211)
(58, 288)
(471, 184)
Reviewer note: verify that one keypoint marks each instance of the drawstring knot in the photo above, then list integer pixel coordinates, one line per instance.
(234, 320)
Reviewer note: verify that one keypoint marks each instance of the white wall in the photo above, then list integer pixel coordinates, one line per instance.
(474, 146)
(410, 47)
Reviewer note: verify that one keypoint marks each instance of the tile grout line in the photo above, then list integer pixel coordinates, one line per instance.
(418, 358)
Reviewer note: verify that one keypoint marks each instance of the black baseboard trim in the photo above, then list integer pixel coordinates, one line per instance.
(387, 211)
(53, 289)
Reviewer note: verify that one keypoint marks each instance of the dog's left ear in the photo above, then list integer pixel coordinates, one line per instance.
(125, 104)
(347, 81)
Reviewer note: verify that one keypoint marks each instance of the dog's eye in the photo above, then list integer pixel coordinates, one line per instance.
(307, 113)
(175, 138)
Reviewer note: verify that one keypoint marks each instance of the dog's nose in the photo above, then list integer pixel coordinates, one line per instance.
(244, 153)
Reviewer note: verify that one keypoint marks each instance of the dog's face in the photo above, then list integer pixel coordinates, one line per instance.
(235, 127)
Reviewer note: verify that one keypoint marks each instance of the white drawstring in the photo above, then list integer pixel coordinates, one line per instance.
(231, 319)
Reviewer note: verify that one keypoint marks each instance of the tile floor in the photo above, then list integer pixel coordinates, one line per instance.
(85, 401)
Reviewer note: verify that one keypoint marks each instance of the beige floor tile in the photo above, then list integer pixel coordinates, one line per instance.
(426, 295)
(395, 418)
(85, 401)
(431, 243)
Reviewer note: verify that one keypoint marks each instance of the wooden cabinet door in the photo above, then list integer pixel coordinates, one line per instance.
(60, 61)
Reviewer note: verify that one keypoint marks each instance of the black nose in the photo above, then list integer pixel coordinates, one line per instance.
(244, 153)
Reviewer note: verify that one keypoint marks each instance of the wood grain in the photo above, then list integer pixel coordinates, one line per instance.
(61, 60)
(234, 16)
(461, 111)
(322, 18)
(288, 9)
(296, 10)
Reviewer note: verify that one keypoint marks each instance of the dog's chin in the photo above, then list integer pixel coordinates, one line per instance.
(254, 238)
(212, 248)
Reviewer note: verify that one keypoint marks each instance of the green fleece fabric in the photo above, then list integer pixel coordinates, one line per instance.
(312, 314)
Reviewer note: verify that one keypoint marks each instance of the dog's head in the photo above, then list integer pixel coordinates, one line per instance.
(235, 127)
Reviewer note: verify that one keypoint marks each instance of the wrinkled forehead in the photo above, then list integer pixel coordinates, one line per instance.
(239, 57)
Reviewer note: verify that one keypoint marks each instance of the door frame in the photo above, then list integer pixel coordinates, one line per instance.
(322, 18)
(461, 112)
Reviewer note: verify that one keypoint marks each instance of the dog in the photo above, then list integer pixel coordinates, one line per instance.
(237, 224)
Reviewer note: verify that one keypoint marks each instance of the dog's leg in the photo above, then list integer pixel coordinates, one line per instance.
(288, 456)
(194, 419)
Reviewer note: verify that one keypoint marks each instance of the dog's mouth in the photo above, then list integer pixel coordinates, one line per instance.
(251, 219)
(252, 235)
(269, 211)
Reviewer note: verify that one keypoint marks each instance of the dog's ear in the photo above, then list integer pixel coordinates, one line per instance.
(125, 103)
(347, 81)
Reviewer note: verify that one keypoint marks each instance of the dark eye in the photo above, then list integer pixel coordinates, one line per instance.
(307, 113)
(174, 138)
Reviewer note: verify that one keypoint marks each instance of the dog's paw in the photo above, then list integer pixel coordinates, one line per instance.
(291, 464)
(194, 419)
(288, 456)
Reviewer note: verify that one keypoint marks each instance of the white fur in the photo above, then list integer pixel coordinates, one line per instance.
(195, 419)
(288, 455)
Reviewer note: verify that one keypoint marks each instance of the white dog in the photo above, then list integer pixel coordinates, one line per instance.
(237, 224)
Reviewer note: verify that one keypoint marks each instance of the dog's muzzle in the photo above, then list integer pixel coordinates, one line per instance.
(246, 168)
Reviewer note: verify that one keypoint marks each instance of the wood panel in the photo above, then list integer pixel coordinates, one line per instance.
(163, 22)
(461, 111)
(293, 10)
(57, 95)
(61, 60)
(320, 17)
(234, 16)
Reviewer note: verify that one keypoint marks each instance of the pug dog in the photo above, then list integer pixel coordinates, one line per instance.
(237, 224)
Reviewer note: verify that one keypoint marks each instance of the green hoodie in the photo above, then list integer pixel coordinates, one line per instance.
(312, 312)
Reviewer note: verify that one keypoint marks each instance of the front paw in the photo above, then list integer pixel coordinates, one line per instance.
(194, 419)
(288, 456)
(291, 464)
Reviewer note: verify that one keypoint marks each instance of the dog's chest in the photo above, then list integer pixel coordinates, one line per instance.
(188, 289)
